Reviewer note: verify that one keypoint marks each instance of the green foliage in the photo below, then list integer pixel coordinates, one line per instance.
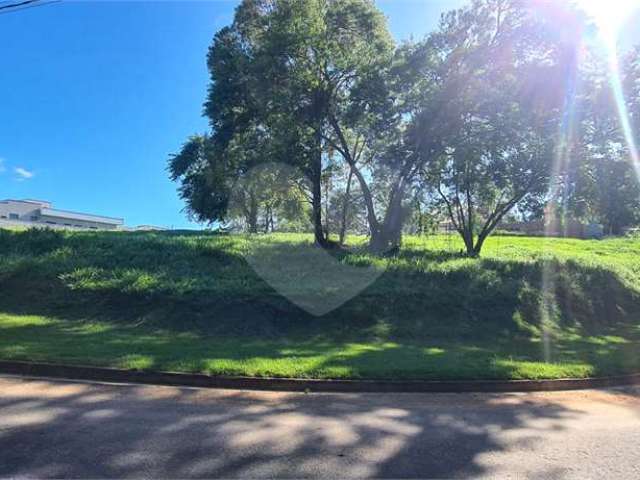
(500, 109)
(499, 123)
(204, 186)
(189, 301)
(601, 184)
(323, 59)
(271, 196)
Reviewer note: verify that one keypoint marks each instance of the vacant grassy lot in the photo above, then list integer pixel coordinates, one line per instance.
(529, 308)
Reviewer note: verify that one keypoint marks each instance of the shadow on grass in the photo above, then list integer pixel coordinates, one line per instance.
(130, 347)
(437, 311)
(202, 282)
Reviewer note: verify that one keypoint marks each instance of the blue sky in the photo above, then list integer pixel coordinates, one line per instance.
(94, 96)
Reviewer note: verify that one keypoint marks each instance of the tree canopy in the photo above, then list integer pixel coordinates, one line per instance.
(498, 110)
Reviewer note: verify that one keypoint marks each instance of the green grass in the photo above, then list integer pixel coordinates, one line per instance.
(529, 308)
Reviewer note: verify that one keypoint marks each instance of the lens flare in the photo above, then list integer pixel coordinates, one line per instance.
(608, 16)
(623, 113)
(609, 19)
(555, 222)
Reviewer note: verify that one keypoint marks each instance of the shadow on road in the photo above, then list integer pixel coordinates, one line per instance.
(58, 429)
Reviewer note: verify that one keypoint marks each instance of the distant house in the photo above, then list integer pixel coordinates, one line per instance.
(41, 213)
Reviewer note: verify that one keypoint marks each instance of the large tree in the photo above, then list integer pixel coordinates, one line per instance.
(504, 71)
(294, 82)
(327, 60)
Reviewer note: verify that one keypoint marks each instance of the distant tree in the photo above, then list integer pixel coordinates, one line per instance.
(270, 198)
(346, 210)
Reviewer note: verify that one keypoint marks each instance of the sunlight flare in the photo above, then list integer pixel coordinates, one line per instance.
(609, 17)
(623, 113)
(609, 20)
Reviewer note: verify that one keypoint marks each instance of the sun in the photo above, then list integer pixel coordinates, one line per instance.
(609, 15)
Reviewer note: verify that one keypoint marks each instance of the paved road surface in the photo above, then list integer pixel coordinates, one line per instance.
(70, 429)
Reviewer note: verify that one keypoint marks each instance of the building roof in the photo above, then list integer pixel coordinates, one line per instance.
(27, 200)
(51, 212)
(42, 203)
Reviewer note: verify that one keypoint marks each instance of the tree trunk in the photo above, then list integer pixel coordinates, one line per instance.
(345, 208)
(478, 247)
(316, 198)
(387, 237)
(316, 213)
(266, 218)
(252, 217)
(316, 171)
(326, 208)
(467, 237)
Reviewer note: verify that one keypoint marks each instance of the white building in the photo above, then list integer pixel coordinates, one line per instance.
(150, 228)
(39, 213)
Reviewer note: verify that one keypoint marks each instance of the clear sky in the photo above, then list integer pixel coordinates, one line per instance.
(94, 96)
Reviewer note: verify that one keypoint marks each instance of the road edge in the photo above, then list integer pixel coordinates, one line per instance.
(102, 374)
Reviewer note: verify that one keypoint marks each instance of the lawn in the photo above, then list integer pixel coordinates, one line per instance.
(181, 301)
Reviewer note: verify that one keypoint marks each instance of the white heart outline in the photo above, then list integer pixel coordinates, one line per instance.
(308, 276)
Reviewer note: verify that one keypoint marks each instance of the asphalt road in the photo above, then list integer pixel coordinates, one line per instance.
(70, 429)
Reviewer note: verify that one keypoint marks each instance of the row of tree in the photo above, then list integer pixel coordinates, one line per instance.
(500, 111)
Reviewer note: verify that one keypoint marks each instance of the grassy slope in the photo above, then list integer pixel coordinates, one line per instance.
(190, 302)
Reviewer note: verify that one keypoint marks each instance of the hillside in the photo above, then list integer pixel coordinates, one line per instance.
(529, 308)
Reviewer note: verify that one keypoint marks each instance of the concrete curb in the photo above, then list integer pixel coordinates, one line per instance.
(73, 372)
